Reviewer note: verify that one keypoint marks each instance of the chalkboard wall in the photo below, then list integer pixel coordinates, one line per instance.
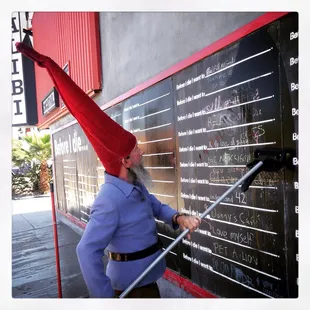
(199, 129)
(226, 106)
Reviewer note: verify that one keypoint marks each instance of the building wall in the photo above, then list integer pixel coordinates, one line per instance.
(137, 46)
(72, 39)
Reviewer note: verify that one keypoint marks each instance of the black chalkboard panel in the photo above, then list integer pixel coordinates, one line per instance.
(149, 115)
(75, 171)
(226, 106)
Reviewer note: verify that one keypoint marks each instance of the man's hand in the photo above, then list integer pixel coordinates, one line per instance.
(190, 222)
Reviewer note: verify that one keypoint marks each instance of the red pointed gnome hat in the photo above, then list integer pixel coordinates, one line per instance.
(110, 141)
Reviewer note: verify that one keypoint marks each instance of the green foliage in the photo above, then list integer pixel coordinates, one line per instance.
(34, 177)
(21, 185)
(35, 151)
(20, 156)
(39, 147)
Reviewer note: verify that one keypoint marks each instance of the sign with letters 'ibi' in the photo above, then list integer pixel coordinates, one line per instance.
(18, 94)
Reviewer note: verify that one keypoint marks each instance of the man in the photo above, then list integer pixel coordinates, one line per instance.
(122, 221)
(122, 216)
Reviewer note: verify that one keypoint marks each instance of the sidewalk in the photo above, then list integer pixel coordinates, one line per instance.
(33, 253)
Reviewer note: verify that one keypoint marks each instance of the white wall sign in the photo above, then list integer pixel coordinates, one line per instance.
(19, 116)
(50, 102)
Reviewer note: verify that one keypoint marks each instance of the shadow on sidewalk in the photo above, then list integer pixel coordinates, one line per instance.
(33, 258)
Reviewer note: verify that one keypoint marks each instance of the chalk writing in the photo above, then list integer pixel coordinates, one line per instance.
(295, 136)
(234, 97)
(227, 119)
(242, 238)
(224, 216)
(191, 212)
(241, 197)
(293, 35)
(190, 99)
(232, 271)
(246, 217)
(295, 112)
(219, 249)
(193, 164)
(243, 256)
(187, 257)
(212, 69)
(192, 148)
(293, 61)
(269, 288)
(194, 181)
(238, 237)
(294, 86)
(203, 232)
(193, 197)
(219, 76)
(221, 267)
(204, 249)
(191, 132)
(132, 119)
(206, 266)
(240, 276)
(197, 262)
(229, 199)
(228, 158)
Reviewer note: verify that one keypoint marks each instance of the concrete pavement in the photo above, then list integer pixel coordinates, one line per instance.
(33, 253)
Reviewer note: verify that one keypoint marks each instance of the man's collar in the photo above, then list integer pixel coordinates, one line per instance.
(124, 186)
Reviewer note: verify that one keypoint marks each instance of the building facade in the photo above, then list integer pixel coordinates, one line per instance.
(200, 91)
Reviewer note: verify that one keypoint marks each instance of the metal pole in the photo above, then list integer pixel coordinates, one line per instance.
(56, 241)
(185, 232)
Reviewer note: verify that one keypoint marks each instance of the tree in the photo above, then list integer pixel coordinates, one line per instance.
(36, 150)
(20, 156)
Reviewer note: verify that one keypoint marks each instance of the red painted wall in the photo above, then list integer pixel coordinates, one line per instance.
(67, 37)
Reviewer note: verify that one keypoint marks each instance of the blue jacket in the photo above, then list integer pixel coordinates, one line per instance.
(122, 221)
